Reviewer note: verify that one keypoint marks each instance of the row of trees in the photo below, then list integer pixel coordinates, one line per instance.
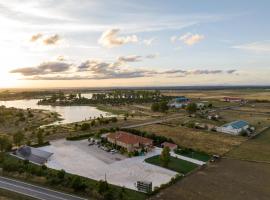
(160, 106)
(114, 97)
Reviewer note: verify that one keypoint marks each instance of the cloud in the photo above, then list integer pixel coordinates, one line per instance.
(130, 58)
(188, 38)
(199, 72)
(51, 40)
(152, 56)
(111, 39)
(231, 71)
(149, 42)
(257, 47)
(95, 69)
(43, 69)
(36, 37)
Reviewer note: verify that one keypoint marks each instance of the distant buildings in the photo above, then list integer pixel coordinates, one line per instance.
(179, 102)
(34, 155)
(129, 141)
(234, 128)
(233, 99)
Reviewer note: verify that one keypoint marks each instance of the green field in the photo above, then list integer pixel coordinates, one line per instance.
(194, 154)
(257, 148)
(175, 164)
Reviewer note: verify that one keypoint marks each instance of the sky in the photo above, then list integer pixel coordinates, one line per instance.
(104, 43)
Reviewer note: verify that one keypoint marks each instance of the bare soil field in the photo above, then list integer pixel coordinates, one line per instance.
(260, 94)
(257, 149)
(227, 179)
(209, 142)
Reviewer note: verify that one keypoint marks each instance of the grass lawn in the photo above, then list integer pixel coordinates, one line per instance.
(257, 148)
(195, 154)
(175, 164)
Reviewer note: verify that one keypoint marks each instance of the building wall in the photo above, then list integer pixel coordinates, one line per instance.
(231, 130)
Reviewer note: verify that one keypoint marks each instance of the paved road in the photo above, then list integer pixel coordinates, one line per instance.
(34, 191)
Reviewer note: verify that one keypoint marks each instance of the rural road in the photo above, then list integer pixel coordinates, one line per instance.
(153, 122)
(34, 191)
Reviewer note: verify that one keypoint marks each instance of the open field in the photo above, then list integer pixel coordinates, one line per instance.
(227, 179)
(175, 164)
(258, 120)
(209, 142)
(14, 119)
(94, 163)
(257, 148)
(251, 94)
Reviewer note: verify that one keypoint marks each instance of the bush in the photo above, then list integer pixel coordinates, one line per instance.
(85, 126)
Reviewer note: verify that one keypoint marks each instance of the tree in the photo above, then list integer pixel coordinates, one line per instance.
(40, 138)
(18, 138)
(155, 107)
(114, 120)
(163, 107)
(165, 156)
(77, 184)
(103, 187)
(85, 126)
(191, 108)
(5, 144)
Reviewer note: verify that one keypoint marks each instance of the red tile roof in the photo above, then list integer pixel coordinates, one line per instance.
(129, 138)
(167, 144)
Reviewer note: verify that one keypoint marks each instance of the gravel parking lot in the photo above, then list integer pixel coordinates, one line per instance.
(77, 157)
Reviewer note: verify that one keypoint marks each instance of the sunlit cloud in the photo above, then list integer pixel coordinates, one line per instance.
(188, 38)
(110, 38)
(36, 37)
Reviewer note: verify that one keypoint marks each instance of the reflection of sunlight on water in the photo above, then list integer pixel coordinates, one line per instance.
(68, 113)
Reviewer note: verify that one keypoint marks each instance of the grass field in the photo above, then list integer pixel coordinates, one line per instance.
(175, 164)
(205, 141)
(227, 179)
(257, 148)
(261, 94)
(195, 154)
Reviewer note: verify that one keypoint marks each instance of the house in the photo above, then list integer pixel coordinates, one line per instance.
(179, 102)
(34, 155)
(171, 146)
(234, 128)
(200, 105)
(130, 141)
(233, 99)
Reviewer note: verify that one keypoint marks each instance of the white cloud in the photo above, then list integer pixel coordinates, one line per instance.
(111, 39)
(259, 47)
(188, 38)
(149, 42)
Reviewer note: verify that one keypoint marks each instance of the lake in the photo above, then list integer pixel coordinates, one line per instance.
(68, 113)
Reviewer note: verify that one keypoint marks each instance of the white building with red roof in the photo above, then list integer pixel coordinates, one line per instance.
(130, 141)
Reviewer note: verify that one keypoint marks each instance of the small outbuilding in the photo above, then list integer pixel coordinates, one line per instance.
(34, 155)
(171, 146)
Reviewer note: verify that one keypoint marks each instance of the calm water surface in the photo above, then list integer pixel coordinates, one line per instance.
(68, 113)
